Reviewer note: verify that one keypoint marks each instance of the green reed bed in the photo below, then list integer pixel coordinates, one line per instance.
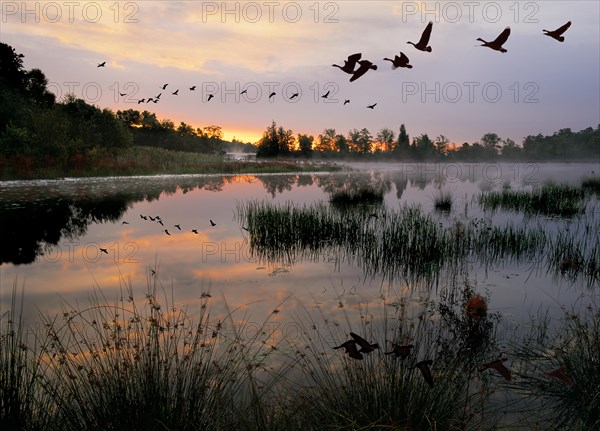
(443, 201)
(573, 347)
(354, 196)
(571, 255)
(550, 199)
(591, 185)
(408, 243)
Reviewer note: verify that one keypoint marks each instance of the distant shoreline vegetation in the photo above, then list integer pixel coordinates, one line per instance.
(43, 138)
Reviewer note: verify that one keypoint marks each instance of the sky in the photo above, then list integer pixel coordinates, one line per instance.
(459, 89)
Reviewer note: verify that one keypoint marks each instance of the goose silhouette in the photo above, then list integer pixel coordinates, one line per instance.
(101, 64)
(426, 371)
(557, 34)
(560, 375)
(365, 346)
(498, 366)
(349, 64)
(401, 352)
(365, 66)
(422, 44)
(497, 43)
(401, 61)
(350, 348)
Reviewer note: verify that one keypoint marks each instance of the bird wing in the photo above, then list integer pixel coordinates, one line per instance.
(562, 29)
(504, 372)
(559, 374)
(354, 57)
(502, 37)
(364, 67)
(403, 58)
(426, 34)
(360, 340)
(424, 367)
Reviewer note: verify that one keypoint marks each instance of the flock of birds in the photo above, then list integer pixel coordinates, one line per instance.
(402, 61)
(357, 67)
(351, 347)
(159, 220)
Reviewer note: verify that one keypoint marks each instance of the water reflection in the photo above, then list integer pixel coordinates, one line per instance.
(41, 219)
(39, 215)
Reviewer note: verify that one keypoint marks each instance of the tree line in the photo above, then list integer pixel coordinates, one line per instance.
(37, 131)
(562, 145)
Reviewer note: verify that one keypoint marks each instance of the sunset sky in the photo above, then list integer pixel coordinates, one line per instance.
(459, 90)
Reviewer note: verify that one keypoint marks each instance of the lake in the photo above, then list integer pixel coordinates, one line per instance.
(273, 272)
(54, 232)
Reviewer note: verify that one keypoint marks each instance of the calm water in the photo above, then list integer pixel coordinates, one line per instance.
(52, 233)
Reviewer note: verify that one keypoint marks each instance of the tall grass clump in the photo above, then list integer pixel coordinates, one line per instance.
(406, 243)
(591, 185)
(550, 199)
(386, 392)
(120, 366)
(22, 405)
(573, 347)
(366, 195)
(443, 200)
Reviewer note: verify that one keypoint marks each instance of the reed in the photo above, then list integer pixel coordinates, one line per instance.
(355, 196)
(573, 347)
(550, 199)
(443, 201)
(409, 244)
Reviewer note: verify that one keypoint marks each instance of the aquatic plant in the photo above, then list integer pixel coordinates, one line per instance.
(550, 199)
(408, 243)
(443, 201)
(559, 370)
(355, 196)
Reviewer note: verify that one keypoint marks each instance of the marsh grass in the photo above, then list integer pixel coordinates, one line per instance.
(443, 201)
(550, 199)
(365, 195)
(591, 185)
(119, 366)
(22, 405)
(573, 344)
(409, 244)
(382, 391)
